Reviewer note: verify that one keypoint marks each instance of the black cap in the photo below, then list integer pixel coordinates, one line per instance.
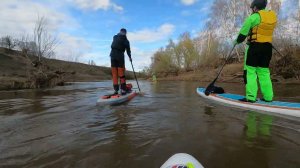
(260, 4)
(123, 30)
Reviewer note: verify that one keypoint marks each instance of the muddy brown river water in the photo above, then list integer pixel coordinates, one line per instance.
(63, 127)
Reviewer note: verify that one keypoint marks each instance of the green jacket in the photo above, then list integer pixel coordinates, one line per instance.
(250, 22)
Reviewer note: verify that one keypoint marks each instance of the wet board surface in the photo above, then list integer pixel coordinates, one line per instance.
(118, 99)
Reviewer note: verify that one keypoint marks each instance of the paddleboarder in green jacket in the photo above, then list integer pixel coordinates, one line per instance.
(258, 28)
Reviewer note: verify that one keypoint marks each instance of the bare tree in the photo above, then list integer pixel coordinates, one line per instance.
(24, 44)
(221, 29)
(175, 53)
(92, 63)
(8, 42)
(296, 20)
(45, 42)
(74, 55)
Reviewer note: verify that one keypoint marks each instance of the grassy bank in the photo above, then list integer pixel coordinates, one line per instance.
(18, 71)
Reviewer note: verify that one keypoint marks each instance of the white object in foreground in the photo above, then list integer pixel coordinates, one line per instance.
(182, 160)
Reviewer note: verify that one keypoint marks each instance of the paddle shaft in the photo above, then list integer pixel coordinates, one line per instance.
(135, 76)
(277, 51)
(227, 58)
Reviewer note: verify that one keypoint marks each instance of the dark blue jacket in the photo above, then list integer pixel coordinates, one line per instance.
(119, 45)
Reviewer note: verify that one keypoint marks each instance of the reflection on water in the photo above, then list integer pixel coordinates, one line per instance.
(63, 127)
(258, 128)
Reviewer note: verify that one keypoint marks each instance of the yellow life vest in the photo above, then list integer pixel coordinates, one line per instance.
(263, 32)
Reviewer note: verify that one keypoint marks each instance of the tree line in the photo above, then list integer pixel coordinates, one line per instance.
(213, 43)
(41, 44)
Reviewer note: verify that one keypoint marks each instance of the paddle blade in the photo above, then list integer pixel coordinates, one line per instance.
(141, 93)
(209, 89)
(213, 89)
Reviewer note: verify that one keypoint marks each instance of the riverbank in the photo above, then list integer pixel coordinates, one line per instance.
(20, 71)
(232, 73)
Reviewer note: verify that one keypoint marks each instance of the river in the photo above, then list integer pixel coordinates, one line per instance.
(63, 127)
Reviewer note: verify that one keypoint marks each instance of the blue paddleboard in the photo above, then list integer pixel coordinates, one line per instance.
(285, 108)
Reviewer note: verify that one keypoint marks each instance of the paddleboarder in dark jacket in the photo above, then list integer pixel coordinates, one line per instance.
(259, 28)
(119, 45)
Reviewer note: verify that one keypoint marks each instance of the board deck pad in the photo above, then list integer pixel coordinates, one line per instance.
(286, 108)
(116, 99)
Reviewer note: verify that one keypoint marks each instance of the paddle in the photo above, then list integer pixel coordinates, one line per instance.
(135, 75)
(211, 86)
(277, 51)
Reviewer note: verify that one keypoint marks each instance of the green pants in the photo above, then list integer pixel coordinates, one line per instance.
(264, 79)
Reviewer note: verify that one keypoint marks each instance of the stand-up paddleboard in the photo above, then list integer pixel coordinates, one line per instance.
(115, 99)
(285, 108)
(182, 160)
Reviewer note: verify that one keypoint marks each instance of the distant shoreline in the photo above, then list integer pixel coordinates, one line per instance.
(232, 73)
(228, 79)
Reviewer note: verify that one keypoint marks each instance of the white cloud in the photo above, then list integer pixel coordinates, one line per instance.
(141, 58)
(205, 9)
(99, 57)
(152, 35)
(71, 48)
(19, 17)
(96, 5)
(188, 2)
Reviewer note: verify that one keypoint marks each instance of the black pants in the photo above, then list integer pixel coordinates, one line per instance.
(118, 72)
(259, 55)
(117, 63)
